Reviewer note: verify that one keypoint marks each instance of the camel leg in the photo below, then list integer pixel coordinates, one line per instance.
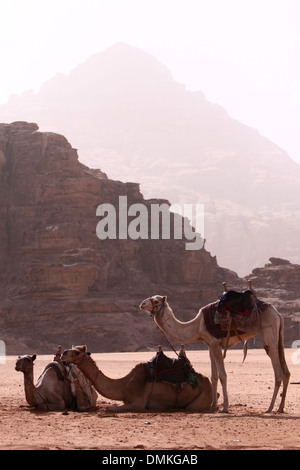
(272, 336)
(284, 367)
(214, 380)
(285, 381)
(218, 371)
(281, 375)
(273, 354)
(274, 347)
(222, 377)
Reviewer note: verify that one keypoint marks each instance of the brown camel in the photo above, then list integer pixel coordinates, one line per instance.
(52, 392)
(137, 392)
(271, 329)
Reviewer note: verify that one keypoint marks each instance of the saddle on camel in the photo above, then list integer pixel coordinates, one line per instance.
(234, 313)
(176, 371)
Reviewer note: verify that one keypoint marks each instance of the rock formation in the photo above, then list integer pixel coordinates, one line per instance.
(59, 282)
(278, 283)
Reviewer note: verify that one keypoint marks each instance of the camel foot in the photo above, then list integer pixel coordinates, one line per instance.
(280, 410)
(124, 409)
(213, 409)
(112, 409)
(224, 410)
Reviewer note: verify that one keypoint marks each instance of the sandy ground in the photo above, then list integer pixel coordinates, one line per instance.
(246, 426)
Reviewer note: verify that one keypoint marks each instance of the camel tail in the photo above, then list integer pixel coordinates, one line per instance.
(282, 360)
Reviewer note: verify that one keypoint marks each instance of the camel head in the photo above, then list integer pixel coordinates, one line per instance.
(75, 355)
(25, 362)
(153, 304)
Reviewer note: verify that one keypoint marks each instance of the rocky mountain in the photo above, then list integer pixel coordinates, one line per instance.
(62, 284)
(278, 283)
(127, 115)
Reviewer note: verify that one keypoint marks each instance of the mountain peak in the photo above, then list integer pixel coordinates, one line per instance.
(121, 58)
(123, 69)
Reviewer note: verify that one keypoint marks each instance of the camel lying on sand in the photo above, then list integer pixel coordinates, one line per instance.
(137, 392)
(51, 391)
(59, 387)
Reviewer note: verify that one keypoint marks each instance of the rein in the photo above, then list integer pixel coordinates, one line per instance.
(81, 361)
(162, 308)
(163, 333)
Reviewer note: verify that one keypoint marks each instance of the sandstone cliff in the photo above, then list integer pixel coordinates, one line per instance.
(61, 284)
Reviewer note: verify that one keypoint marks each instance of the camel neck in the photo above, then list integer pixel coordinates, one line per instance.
(88, 367)
(29, 386)
(28, 374)
(109, 388)
(185, 332)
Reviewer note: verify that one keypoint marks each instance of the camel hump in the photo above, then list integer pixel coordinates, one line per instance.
(59, 369)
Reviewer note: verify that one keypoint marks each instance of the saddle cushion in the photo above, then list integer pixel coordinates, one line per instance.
(82, 389)
(58, 368)
(242, 307)
(161, 367)
(237, 302)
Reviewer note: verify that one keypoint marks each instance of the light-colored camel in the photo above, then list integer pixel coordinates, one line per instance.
(52, 392)
(136, 391)
(271, 329)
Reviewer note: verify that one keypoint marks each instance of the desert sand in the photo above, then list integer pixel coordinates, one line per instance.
(246, 426)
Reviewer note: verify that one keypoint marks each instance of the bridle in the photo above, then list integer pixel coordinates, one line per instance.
(81, 360)
(159, 307)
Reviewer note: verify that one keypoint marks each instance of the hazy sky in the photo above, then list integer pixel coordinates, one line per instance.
(242, 54)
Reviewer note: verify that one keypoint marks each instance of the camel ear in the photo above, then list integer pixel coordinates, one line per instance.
(164, 298)
(33, 358)
(83, 348)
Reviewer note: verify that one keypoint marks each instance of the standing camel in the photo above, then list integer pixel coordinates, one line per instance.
(271, 329)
